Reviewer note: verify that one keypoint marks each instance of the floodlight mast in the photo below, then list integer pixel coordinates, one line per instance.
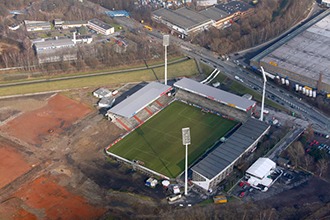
(263, 94)
(186, 141)
(166, 42)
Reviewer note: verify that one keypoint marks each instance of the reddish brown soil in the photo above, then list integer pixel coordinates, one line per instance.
(48, 200)
(35, 126)
(12, 165)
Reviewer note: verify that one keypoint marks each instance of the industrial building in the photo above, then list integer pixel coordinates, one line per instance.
(215, 166)
(218, 16)
(302, 57)
(100, 27)
(183, 20)
(37, 25)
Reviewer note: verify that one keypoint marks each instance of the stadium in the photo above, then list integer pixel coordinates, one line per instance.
(153, 118)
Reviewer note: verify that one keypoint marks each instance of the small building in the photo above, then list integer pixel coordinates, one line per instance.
(58, 23)
(37, 25)
(100, 27)
(206, 2)
(14, 27)
(259, 172)
(101, 93)
(106, 102)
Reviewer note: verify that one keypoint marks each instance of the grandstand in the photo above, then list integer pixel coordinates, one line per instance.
(135, 109)
(215, 99)
(213, 168)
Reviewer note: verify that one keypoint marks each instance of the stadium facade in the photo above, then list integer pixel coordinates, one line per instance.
(302, 57)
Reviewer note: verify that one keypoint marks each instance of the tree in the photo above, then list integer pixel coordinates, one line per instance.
(322, 166)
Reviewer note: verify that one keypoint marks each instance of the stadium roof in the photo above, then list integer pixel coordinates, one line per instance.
(218, 95)
(140, 99)
(214, 13)
(183, 17)
(261, 167)
(227, 153)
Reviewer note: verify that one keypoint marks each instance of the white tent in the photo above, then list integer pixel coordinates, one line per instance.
(261, 168)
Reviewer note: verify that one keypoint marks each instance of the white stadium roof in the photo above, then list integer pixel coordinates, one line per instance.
(140, 99)
(212, 93)
(261, 167)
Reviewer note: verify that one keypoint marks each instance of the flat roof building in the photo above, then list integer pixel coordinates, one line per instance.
(215, 166)
(183, 20)
(302, 55)
(100, 27)
(37, 25)
(206, 2)
(118, 13)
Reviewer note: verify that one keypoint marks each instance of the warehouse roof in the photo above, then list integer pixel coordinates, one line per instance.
(227, 153)
(214, 13)
(307, 54)
(140, 99)
(218, 95)
(183, 17)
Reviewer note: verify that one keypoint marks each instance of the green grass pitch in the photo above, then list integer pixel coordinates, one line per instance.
(158, 142)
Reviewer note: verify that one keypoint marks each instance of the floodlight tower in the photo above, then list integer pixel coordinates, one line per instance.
(186, 141)
(263, 94)
(166, 42)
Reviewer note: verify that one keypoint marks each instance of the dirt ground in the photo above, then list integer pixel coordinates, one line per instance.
(12, 164)
(35, 126)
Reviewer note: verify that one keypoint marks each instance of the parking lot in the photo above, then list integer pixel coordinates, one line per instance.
(286, 180)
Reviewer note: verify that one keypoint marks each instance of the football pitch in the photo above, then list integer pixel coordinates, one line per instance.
(158, 142)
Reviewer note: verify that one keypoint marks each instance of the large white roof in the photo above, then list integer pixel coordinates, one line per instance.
(136, 102)
(261, 167)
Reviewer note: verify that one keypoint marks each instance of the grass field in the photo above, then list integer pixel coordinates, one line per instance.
(158, 142)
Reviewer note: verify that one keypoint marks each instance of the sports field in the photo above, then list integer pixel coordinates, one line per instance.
(158, 142)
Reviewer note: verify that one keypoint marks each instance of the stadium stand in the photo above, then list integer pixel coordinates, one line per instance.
(226, 103)
(214, 167)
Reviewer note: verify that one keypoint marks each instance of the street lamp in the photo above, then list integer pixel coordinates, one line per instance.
(166, 42)
(263, 94)
(186, 141)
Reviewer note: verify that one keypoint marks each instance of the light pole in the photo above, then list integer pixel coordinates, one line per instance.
(263, 94)
(186, 141)
(166, 42)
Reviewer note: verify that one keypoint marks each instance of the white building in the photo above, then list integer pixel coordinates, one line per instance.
(101, 93)
(100, 27)
(326, 3)
(260, 171)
